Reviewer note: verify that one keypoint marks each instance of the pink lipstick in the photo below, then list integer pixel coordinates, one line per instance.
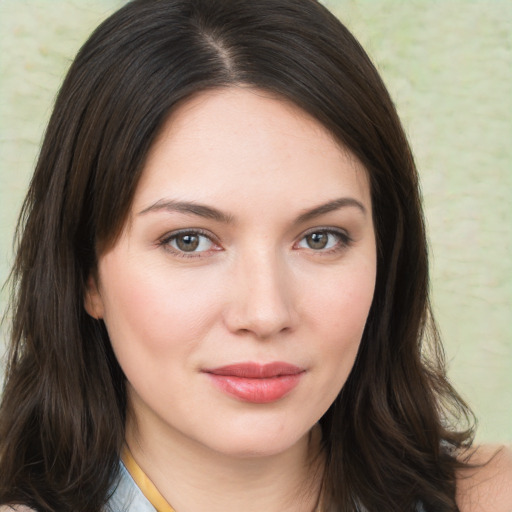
(256, 383)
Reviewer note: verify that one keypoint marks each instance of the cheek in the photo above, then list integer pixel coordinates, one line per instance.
(155, 310)
(338, 314)
(341, 304)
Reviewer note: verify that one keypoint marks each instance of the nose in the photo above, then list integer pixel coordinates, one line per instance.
(262, 302)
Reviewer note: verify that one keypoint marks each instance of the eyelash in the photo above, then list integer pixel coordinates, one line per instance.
(166, 241)
(344, 241)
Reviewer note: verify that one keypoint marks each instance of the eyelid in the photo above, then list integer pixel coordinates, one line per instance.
(345, 239)
(165, 240)
(325, 229)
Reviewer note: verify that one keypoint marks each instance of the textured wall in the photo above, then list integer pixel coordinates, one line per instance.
(449, 68)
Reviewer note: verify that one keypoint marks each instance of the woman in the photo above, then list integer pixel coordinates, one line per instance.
(222, 282)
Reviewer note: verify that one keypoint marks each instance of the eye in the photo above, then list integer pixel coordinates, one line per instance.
(323, 240)
(188, 242)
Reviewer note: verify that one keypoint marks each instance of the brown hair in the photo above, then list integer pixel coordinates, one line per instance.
(391, 436)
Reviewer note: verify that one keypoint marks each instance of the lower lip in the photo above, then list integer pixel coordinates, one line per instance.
(257, 391)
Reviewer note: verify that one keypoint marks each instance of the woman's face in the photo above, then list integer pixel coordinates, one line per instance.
(236, 296)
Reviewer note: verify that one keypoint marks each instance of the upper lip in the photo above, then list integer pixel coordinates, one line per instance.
(256, 370)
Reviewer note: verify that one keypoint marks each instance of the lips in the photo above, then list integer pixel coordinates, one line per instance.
(256, 383)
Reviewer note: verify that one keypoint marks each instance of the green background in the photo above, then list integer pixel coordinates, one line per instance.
(448, 65)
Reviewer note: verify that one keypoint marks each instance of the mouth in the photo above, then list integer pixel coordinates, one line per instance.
(256, 383)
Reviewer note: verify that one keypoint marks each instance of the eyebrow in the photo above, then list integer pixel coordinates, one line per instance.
(330, 206)
(201, 210)
(208, 212)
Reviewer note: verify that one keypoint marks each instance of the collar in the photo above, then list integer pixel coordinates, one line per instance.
(143, 482)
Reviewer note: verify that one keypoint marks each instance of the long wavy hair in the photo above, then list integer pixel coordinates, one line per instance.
(393, 435)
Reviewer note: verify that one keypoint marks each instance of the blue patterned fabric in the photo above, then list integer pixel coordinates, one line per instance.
(127, 497)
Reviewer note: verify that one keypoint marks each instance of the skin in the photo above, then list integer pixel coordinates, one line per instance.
(254, 290)
(487, 487)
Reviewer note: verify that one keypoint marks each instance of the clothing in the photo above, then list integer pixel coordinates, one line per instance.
(135, 491)
(128, 495)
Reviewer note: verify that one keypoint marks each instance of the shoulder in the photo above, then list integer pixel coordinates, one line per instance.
(488, 485)
(15, 508)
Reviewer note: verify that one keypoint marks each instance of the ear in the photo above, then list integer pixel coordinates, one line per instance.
(93, 302)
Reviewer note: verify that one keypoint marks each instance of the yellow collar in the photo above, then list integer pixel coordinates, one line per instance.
(146, 486)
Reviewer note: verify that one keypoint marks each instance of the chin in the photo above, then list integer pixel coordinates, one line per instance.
(256, 443)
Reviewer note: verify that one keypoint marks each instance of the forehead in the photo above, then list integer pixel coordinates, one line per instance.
(241, 141)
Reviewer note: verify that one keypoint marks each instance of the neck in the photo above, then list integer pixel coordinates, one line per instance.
(194, 478)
